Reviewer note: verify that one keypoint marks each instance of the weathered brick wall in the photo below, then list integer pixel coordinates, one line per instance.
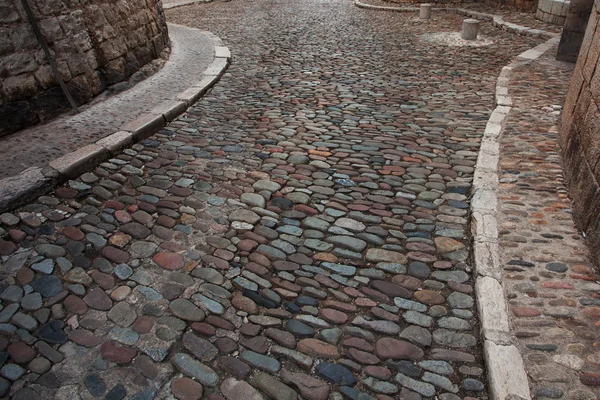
(580, 134)
(95, 43)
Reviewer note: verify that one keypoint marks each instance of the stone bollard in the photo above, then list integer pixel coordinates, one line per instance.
(425, 11)
(469, 29)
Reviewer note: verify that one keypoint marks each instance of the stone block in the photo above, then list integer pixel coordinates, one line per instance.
(582, 105)
(51, 30)
(575, 87)
(488, 162)
(110, 50)
(557, 8)
(170, 109)
(589, 133)
(46, 77)
(143, 54)
(19, 87)
(484, 200)
(16, 116)
(81, 160)
(23, 37)
(158, 42)
(572, 154)
(17, 63)
(493, 129)
(222, 52)
(565, 130)
(593, 55)
(82, 41)
(593, 237)
(487, 260)
(217, 67)
(485, 179)
(595, 85)
(144, 126)
(8, 14)
(491, 304)
(21, 188)
(50, 103)
(583, 190)
(116, 142)
(6, 45)
(80, 89)
(191, 95)
(78, 63)
(585, 40)
(484, 226)
(114, 71)
(506, 373)
(543, 6)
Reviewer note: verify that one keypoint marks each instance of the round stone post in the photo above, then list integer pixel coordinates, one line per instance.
(469, 29)
(425, 11)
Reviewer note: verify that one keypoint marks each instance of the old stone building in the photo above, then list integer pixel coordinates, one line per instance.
(95, 44)
(580, 132)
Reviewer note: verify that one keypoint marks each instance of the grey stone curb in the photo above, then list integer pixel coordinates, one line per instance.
(497, 20)
(35, 181)
(507, 378)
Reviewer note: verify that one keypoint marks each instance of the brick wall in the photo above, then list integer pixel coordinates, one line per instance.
(95, 43)
(580, 134)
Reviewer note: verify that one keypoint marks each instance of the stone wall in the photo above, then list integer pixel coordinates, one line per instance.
(580, 134)
(95, 43)
(552, 11)
(574, 29)
(519, 5)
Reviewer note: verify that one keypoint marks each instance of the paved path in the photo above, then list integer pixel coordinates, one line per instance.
(191, 54)
(302, 230)
(553, 291)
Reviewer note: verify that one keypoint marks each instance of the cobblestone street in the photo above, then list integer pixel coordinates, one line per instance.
(300, 232)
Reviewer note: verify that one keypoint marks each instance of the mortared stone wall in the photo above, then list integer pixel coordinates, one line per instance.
(580, 134)
(95, 43)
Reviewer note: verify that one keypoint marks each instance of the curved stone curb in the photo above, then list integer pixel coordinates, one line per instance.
(507, 378)
(497, 20)
(35, 181)
(506, 373)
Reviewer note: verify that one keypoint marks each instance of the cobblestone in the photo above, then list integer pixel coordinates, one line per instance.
(301, 229)
(551, 285)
